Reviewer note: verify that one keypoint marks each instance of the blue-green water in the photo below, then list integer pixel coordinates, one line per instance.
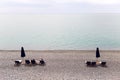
(81, 31)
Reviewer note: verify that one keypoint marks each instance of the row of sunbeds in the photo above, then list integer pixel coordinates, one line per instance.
(30, 62)
(42, 62)
(94, 63)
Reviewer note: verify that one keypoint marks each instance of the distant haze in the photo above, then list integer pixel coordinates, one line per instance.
(50, 32)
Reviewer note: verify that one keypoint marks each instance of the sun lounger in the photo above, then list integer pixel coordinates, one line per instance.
(103, 64)
(42, 62)
(93, 63)
(18, 62)
(27, 62)
(33, 62)
(88, 63)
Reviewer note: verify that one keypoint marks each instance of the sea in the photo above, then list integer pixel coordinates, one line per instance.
(60, 31)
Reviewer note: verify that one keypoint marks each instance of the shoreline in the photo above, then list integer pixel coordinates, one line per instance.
(59, 50)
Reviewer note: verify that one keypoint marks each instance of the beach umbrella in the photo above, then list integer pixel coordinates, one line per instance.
(97, 53)
(22, 52)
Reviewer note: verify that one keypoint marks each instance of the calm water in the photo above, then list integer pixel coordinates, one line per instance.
(83, 31)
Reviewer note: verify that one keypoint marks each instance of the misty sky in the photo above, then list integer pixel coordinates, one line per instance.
(59, 6)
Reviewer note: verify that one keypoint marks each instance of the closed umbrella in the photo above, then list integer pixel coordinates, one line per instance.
(22, 52)
(97, 53)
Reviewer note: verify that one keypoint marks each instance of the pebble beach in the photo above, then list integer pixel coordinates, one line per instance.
(60, 65)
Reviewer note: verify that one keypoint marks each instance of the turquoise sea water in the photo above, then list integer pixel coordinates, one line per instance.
(75, 31)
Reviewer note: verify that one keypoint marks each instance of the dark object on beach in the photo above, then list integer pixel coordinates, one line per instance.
(97, 53)
(33, 61)
(42, 62)
(103, 64)
(27, 61)
(88, 63)
(22, 52)
(93, 63)
(18, 62)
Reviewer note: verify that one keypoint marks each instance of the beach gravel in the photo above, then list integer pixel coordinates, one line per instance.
(60, 65)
